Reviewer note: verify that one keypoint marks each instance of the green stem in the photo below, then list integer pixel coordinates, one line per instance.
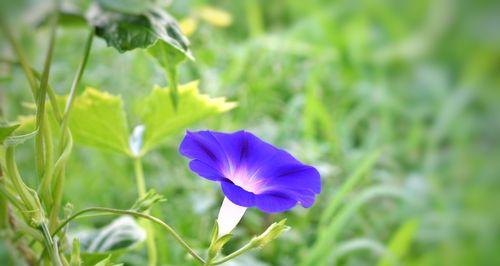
(59, 173)
(21, 226)
(52, 98)
(141, 188)
(16, 179)
(20, 55)
(50, 90)
(41, 96)
(245, 248)
(4, 222)
(74, 85)
(45, 188)
(139, 177)
(173, 85)
(153, 219)
(8, 196)
(66, 141)
(50, 246)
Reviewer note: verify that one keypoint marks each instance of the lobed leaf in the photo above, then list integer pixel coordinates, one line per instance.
(98, 120)
(161, 120)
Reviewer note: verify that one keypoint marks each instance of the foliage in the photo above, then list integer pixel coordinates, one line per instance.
(385, 97)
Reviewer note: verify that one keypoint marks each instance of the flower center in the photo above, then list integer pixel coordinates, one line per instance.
(245, 180)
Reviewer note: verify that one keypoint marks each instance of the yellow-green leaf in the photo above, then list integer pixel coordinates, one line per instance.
(161, 120)
(98, 120)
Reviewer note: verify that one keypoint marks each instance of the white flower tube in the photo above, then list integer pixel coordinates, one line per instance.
(230, 215)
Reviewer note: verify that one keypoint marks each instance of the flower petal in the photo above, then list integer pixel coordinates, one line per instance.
(251, 171)
(237, 195)
(199, 145)
(205, 170)
(272, 203)
(294, 177)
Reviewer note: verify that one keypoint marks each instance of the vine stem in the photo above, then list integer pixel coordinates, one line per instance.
(32, 72)
(19, 54)
(245, 248)
(141, 188)
(153, 219)
(41, 96)
(74, 85)
(51, 247)
(173, 85)
(65, 142)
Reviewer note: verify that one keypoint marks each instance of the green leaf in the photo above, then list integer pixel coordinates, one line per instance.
(98, 260)
(122, 233)
(6, 130)
(157, 113)
(98, 120)
(127, 6)
(130, 31)
(92, 259)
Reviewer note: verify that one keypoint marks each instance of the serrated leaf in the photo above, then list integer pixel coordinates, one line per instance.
(126, 32)
(120, 234)
(98, 120)
(157, 113)
(6, 130)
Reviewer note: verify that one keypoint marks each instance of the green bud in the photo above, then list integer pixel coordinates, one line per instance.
(271, 233)
(36, 214)
(217, 246)
(68, 209)
(146, 202)
(217, 243)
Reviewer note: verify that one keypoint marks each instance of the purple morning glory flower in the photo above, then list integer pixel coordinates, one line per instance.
(251, 172)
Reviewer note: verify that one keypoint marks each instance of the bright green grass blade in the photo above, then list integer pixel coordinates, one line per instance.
(365, 166)
(400, 242)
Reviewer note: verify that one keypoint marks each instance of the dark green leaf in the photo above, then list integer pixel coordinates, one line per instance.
(126, 32)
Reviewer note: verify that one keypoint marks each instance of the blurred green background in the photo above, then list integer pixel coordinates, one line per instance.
(398, 99)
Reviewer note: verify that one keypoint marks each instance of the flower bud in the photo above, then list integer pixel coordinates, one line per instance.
(271, 233)
(146, 202)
